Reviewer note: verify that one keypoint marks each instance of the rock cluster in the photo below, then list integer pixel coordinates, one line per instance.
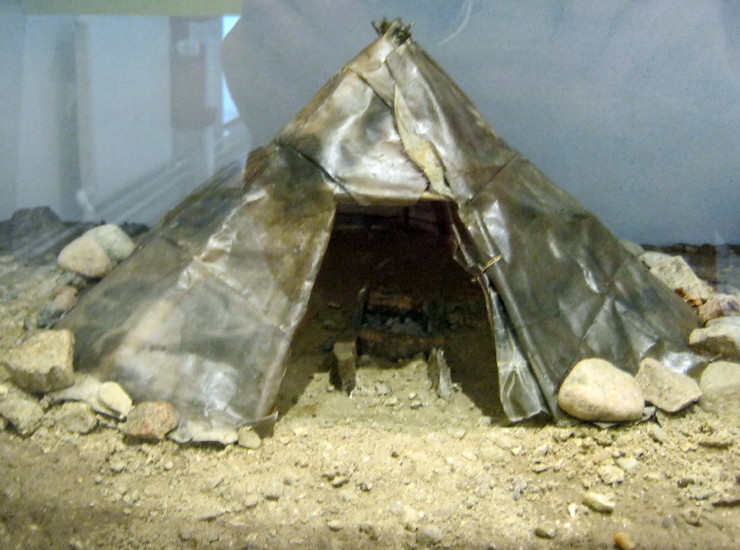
(596, 390)
(43, 364)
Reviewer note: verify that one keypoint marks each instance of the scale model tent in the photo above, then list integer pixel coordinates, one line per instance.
(204, 313)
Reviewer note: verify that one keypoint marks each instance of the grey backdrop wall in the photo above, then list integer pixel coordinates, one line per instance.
(631, 106)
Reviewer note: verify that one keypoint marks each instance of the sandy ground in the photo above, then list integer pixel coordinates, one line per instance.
(392, 466)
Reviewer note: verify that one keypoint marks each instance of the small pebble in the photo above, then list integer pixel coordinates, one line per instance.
(428, 535)
(334, 525)
(623, 541)
(117, 466)
(656, 433)
(692, 516)
(382, 389)
(546, 530)
(251, 500)
(627, 464)
(273, 491)
(339, 481)
(598, 502)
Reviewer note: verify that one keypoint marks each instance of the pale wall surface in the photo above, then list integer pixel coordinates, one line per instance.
(633, 107)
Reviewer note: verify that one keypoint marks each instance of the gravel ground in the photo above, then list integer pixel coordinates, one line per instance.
(393, 466)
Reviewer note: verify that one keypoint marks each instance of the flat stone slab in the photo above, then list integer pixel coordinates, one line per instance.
(668, 390)
(43, 363)
(597, 391)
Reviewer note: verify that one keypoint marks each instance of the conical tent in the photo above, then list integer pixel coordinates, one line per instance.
(204, 312)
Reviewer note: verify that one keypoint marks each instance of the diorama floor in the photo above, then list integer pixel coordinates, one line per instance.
(391, 466)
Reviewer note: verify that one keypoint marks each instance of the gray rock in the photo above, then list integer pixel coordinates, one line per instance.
(20, 409)
(115, 398)
(75, 416)
(596, 390)
(117, 245)
(248, 438)
(720, 383)
(719, 305)
(43, 362)
(85, 256)
(721, 336)
(429, 535)
(599, 502)
(679, 277)
(150, 420)
(668, 390)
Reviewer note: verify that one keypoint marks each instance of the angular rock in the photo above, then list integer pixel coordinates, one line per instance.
(668, 390)
(85, 256)
(719, 305)
(720, 383)
(43, 362)
(652, 258)
(596, 390)
(115, 398)
(75, 416)
(150, 420)
(721, 336)
(248, 438)
(111, 238)
(20, 409)
(678, 276)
